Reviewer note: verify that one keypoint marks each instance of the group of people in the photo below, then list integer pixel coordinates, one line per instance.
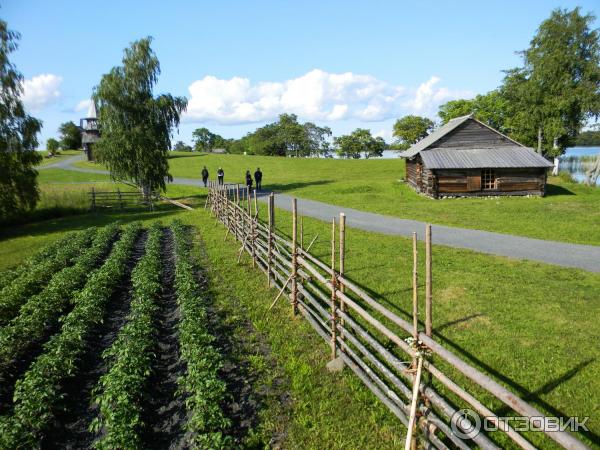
(221, 177)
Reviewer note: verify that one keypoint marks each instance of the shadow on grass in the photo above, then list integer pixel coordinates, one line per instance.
(553, 189)
(282, 187)
(190, 155)
(85, 220)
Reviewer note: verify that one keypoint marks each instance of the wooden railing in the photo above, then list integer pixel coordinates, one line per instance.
(373, 341)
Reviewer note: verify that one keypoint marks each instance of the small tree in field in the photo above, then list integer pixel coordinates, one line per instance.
(135, 126)
(18, 136)
(70, 136)
(52, 147)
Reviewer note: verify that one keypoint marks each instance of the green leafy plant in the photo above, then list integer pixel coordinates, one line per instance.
(120, 391)
(45, 308)
(32, 281)
(38, 391)
(204, 389)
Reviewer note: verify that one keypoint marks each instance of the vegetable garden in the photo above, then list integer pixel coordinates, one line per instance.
(105, 342)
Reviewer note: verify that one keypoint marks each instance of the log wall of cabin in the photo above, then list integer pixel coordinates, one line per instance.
(420, 178)
(508, 181)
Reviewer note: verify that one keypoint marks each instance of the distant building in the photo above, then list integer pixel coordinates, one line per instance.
(218, 150)
(90, 133)
(465, 157)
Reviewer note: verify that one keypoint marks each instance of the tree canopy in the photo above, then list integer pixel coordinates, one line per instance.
(69, 136)
(181, 146)
(52, 146)
(18, 135)
(357, 143)
(205, 140)
(411, 129)
(135, 126)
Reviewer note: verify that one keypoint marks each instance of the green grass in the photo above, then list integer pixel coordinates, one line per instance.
(531, 326)
(570, 212)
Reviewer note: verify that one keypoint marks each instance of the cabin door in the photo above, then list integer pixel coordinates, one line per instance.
(473, 182)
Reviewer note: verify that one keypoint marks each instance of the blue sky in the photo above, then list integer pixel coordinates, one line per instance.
(342, 64)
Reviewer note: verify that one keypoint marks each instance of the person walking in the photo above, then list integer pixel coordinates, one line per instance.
(248, 180)
(220, 176)
(204, 175)
(258, 179)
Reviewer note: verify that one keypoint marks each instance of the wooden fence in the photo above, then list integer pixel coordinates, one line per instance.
(373, 341)
(116, 199)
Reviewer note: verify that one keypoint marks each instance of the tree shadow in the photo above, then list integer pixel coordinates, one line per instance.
(190, 155)
(282, 187)
(554, 189)
(457, 321)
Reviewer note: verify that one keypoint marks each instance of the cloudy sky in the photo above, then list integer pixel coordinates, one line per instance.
(342, 64)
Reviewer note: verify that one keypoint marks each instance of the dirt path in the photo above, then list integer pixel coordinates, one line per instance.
(71, 427)
(166, 413)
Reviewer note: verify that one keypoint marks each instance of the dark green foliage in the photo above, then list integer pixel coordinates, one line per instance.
(18, 136)
(52, 146)
(70, 136)
(119, 393)
(490, 108)
(136, 126)
(411, 129)
(358, 142)
(201, 383)
(181, 146)
(38, 391)
(588, 138)
(206, 141)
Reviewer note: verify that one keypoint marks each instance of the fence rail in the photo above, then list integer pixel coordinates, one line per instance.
(371, 340)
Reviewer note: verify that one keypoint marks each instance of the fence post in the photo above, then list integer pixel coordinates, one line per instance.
(333, 295)
(302, 232)
(415, 312)
(255, 204)
(93, 198)
(294, 256)
(270, 239)
(342, 263)
(428, 288)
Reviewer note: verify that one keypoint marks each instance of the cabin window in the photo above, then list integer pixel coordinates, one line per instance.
(488, 179)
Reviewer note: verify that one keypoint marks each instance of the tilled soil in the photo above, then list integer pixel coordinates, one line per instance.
(71, 427)
(165, 411)
(9, 375)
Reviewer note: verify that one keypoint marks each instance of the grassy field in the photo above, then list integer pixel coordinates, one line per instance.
(570, 212)
(531, 326)
(64, 154)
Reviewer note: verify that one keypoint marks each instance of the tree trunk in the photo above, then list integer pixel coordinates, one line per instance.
(539, 146)
(591, 176)
(556, 158)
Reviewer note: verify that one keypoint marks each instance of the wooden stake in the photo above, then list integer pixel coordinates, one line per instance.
(415, 291)
(270, 240)
(410, 441)
(333, 294)
(342, 261)
(248, 199)
(294, 256)
(280, 292)
(302, 232)
(428, 287)
(255, 204)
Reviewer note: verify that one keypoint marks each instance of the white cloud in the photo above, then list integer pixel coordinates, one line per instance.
(41, 91)
(316, 95)
(83, 105)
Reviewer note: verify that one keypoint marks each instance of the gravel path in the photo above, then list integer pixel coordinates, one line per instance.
(579, 256)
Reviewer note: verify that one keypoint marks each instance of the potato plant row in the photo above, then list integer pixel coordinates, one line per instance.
(33, 280)
(45, 308)
(201, 384)
(38, 391)
(119, 392)
(42, 255)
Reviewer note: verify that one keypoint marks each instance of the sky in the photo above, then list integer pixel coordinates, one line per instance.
(341, 64)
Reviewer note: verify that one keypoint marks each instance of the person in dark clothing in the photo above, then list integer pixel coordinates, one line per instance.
(220, 176)
(258, 179)
(248, 179)
(204, 175)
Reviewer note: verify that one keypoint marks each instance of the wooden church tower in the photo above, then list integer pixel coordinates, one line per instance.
(90, 132)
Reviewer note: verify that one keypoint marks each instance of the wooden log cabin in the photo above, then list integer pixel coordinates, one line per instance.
(467, 158)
